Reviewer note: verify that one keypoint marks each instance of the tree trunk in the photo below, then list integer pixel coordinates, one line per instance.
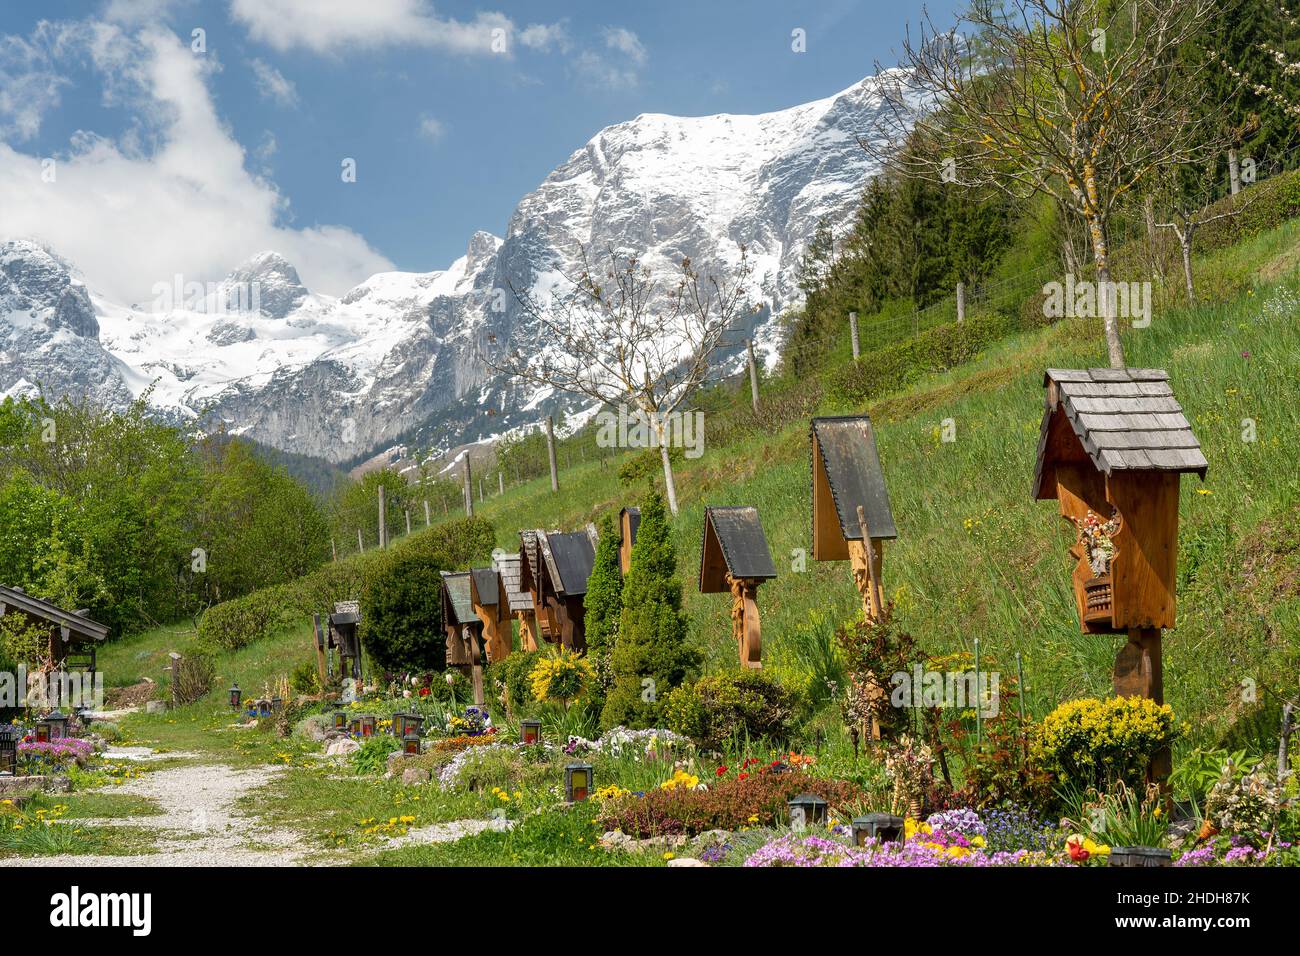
(1101, 256)
(1234, 171)
(1153, 241)
(670, 485)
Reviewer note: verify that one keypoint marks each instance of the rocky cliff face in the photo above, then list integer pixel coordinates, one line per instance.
(398, 357)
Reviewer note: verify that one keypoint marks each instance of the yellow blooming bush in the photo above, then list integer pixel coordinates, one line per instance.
(561, 675)
(680, 780)
(1090, 742)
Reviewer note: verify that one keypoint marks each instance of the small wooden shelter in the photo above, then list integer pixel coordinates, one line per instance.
(629, 522)
(519, 601)
(464, 629)
(344, 624)
(491, 607)
(73, 636)
(851, 514)
(734, 557)
(554, 568)
(1115, 442)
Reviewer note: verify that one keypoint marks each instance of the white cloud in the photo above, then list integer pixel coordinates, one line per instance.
(333, 26)
(272, 84)
(138, 12)
(545, 37)
(432, 129)
(619, 65)
(174, 197)
(29, 84)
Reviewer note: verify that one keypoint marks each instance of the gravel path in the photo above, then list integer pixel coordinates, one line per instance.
(199, 824)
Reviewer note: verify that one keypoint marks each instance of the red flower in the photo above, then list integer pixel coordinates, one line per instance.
(424, 692)
(721, 771)
(742, 776)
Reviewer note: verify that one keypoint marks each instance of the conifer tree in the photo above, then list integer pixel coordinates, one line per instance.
(604, 600)
(650, 655)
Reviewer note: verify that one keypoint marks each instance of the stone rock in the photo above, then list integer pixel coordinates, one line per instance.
(686, 861)
(395, 761)
(313, 728)
(412, 776)
(156, 707)
(341, 748)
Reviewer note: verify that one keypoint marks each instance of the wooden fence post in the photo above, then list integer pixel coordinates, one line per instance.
(961, 302)
(853, 334)
(753, 375)
(550, 453)
(469, 490)
(383, 519)
(426, 514)
(360, 545)
(501, 483)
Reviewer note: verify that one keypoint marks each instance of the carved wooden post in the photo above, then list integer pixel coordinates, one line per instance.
(745, 625)
(866, 571)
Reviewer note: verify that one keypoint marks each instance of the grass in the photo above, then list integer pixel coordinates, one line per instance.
(977, 557)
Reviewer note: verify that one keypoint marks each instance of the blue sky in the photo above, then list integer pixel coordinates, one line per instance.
(448, 131)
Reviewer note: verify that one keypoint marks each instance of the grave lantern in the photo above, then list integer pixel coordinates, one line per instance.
(414, 724)
(354, 726)
(530, 731)
(881, 827)
(411, 743)
(398, 726)
(807, 809)
(236, 696)
(735, 557)
(578, 781)
(277, 705)
(1139, 856)
(340, 720)
(368, 723)
(8, 750)
(53, 726)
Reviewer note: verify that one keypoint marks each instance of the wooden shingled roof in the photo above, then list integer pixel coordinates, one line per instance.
(734, 543)
(1125, 419)
(456, 605)
(569, 558)
(844, 452)
(485, 591)
(508, 567)
(71, 622)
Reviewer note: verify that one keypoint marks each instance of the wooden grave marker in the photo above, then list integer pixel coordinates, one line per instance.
(735, 558)
(464, 629)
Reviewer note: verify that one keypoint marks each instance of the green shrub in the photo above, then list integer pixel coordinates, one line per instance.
(604, 600)
(239, 622)
(717, 709)
(372, 758)
(304, 679)
(197, 672)
(651, 655)
(401, 613)
(1095, 743)
(512, 675)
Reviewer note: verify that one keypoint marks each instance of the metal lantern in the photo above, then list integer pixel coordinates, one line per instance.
(51, 727)
(578, 781)
(414, 724)
(1140, 856)
(807, 810)
(340, 720)
(530, 731)
(881, 827)
(354, 726)
(236, 695)
(411, 743)
(8, 750)
(277, 705)
(398, 726)
(368, 723)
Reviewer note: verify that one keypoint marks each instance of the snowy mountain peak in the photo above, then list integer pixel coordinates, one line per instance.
(398, 359)
(266, 283)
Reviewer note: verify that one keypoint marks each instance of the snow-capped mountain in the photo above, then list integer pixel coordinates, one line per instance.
(397, 357)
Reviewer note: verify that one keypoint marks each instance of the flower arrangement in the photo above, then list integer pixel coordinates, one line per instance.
(474, 722)
(40, 757)
(909, 768)
(1243, 805)
(1096, 537)
(561, 676)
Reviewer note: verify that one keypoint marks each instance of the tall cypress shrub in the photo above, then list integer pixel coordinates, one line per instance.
(604, 603)
(650, 655)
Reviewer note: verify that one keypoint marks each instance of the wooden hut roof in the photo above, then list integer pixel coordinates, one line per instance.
(508, 567)
(457, 607)
(569, 558)
(77, 622)
(1125, 419)
(734, 543)
(847, 446)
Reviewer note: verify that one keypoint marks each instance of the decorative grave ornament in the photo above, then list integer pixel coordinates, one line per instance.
(340, 720)
(806, 810)
(735, 557)
(411, 744)
(851, 514)
(8, 750)
(1112, 448)
(882, 827)
(236, 696)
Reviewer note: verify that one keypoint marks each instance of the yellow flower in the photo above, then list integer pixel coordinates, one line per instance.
(668, 856)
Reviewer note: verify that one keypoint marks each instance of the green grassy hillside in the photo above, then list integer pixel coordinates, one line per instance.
(976, 556)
